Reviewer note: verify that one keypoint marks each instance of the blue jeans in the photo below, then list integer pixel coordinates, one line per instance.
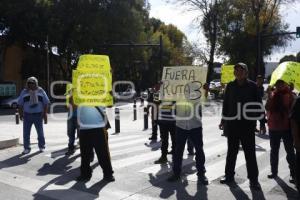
(195, 136)
(71, 129)
(37, 120)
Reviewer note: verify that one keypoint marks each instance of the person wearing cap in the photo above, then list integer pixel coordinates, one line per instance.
(240, 126)
(33, 106)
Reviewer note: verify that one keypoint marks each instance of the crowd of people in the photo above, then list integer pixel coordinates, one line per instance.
(242, 108)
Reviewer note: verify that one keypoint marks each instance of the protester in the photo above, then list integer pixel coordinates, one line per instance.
(278, 107)
(72, 120)
(189, 125)
(241, 125)
(93, 135)
(261, 93)
(166, 122)
(295, 124)
(33, 106)
(153, 102)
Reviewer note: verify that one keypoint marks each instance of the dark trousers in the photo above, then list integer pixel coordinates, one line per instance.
(165, 130)
(94, 139)
(298, 170)
(71, 130)
(190, 146)
(275, 138)
(154, 121)
(195, 135)
(246, 137)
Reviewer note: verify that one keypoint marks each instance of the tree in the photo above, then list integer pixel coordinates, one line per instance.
(70, 28)
(210, 11)
(298, 57)
(288, 58)
(238, 36)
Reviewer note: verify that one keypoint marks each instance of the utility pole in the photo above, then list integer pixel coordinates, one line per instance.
(48, 66)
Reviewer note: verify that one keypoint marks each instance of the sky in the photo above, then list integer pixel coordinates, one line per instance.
(171, 14)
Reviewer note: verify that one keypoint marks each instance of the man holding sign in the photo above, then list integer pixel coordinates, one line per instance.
(93, 83)
(183, 85)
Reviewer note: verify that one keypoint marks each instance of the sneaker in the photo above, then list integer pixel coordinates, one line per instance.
(110, 178)
(225, 180)
(83, 178)
(42, 149)
(26, 151)
(272, 176)
(203, 179)
(161, 160)
(255, 185)
(173, 178)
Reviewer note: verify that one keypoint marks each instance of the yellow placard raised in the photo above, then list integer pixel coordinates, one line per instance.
(182, 83)
(92, 81)
(227, 73)
(94, 62)
(289, 72)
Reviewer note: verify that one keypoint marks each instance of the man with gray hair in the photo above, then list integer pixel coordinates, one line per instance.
(33, 105)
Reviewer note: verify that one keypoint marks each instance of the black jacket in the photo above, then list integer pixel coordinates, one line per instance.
(236, 96)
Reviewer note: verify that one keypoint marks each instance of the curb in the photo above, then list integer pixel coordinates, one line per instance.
(6, 143)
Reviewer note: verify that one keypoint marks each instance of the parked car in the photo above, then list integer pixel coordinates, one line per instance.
(11, 102)
(144, 95)
(215, 89)
(127, 95)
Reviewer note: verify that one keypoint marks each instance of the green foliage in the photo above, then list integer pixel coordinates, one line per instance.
(69, 28)
(288, 58)
(239, 29)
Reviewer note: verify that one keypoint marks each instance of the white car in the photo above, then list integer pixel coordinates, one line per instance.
(127, 95)
(11, 102)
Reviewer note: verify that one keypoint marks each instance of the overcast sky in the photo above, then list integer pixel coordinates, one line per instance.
(171, 14)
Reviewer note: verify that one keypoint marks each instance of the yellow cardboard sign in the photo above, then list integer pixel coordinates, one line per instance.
(289, 72)
(92, 81)
(94, 62)
(227, 73)
(182, 83)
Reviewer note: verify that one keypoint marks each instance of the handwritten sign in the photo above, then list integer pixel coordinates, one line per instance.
(92, 81)
(289, 72)
(182, 83)
(227, 73)
(94, 62)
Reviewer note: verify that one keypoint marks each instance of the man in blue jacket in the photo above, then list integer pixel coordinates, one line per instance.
(33, 105)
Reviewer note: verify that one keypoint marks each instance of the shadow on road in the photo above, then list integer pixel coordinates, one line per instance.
(17, 160)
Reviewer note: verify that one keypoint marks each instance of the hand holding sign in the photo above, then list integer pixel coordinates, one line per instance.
(182, 83)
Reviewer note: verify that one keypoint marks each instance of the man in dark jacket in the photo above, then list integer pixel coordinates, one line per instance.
(240, 98)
